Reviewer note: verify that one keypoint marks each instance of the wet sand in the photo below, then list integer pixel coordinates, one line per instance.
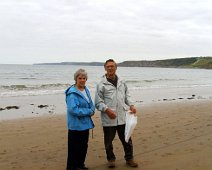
(170, 135)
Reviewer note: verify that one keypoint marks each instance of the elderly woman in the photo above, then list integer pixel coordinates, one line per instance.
(80, 108)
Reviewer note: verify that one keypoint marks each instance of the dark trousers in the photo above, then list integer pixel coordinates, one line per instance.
(77, 148)
(109, 135)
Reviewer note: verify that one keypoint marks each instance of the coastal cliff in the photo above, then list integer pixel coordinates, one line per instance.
(192, 62)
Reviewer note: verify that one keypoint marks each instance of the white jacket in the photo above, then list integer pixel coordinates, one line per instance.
(117, 99)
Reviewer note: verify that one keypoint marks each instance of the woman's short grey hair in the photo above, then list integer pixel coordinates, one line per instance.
(80, 72)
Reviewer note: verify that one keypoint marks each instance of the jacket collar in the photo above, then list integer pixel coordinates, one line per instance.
(104, 80)
(73, 89)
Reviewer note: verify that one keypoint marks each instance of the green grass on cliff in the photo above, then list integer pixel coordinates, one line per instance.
(191, 62)
(179, 62)
(204, 62)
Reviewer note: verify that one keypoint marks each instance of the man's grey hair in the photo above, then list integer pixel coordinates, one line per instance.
(80, 72)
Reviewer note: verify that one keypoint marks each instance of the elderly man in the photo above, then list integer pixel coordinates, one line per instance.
(113, 100)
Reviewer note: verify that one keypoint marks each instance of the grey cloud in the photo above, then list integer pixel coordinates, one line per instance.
(52, 28)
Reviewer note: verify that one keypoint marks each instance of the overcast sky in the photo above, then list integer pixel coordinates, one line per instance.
(38, 31)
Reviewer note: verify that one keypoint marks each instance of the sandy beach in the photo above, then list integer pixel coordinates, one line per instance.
(169, 136)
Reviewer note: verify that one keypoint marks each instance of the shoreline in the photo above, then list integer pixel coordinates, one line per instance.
(20, 107)
(169, 135)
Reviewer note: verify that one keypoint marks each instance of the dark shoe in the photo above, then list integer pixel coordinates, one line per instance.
(83, 168)
(111, 164)
(132, 163)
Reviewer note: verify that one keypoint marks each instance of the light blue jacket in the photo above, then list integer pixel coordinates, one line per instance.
(117, 99)
(79, 110)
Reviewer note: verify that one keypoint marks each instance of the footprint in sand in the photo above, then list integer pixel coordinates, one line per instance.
(3, 153)
(191, 150)
(41, 150)
(145, 146)
(200, 143)
(144, 140)
(167, 154)
(13, 163)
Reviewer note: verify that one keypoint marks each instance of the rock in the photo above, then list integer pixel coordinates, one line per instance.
(11, 107)
(42, 106)
(2, 109)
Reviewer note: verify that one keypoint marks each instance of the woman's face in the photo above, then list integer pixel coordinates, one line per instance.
(81, 80)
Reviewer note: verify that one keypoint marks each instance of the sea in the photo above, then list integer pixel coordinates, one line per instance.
(28, 91)
(146, 83)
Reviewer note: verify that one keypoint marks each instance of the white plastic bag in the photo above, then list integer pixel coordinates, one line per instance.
(131, 121)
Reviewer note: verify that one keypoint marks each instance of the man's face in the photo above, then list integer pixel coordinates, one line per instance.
(110, 68)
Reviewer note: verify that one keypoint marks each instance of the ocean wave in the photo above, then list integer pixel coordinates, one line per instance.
(32, 90)
(133, 81)
(13, 87)
(32, 87)
(151, 81)
(59, 88)
(27, 78)
(31, 93)
(53, 85)
(167, 86)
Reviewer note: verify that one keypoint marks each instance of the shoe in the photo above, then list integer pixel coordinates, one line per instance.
(83, 168)
(111, 164)
(132, 163)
